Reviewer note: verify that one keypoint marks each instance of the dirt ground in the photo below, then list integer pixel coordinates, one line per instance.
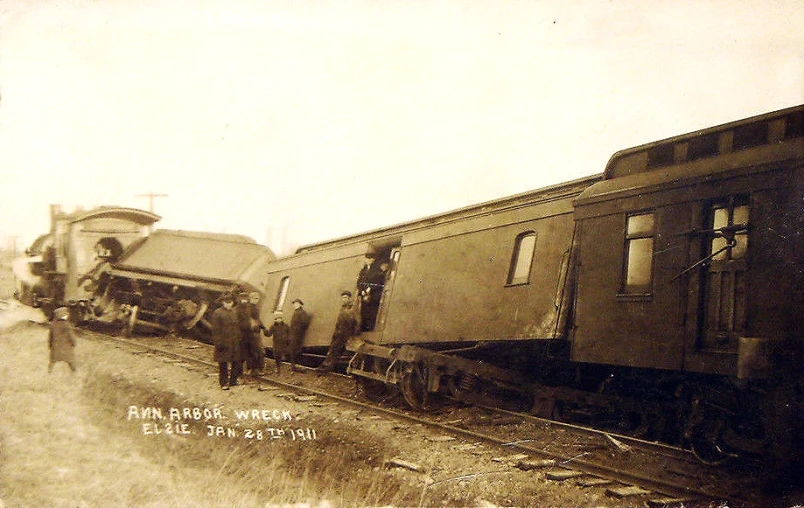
(139, 430)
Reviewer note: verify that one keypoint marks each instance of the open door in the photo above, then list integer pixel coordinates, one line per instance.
(388, 288)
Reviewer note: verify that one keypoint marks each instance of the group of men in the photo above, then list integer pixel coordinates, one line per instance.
(237, 328)
(236, 334)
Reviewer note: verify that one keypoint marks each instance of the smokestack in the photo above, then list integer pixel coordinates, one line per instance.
(55, 212)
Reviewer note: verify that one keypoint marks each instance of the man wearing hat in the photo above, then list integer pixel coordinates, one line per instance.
(226, 338)
(61, 340)
(346, 326)
(280, 331)
(248, 315)
(298, 327)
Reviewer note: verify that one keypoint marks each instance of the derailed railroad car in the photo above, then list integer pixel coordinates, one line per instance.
(689, 288)
(482, 283)
(663, 296)
(171, 280)
(106, 266)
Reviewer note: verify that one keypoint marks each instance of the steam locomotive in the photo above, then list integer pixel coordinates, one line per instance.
(665, 295)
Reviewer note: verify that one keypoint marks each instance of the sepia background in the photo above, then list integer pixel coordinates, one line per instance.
(299, 121)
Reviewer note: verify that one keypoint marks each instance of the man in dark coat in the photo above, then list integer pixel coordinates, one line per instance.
(298, 327)
(370, 283)
(280, 331)
(248, 317)
(61, 340)
(226, 338)
(346, 326)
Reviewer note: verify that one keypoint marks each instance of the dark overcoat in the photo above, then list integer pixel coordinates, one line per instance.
(251, 351)
(226, 335)
(346, 324)
(280, 331)
(62, 341)
(298, 327)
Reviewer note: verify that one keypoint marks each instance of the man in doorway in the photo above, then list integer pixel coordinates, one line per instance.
(370, 283)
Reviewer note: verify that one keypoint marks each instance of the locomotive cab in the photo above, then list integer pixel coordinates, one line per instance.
(61, 267)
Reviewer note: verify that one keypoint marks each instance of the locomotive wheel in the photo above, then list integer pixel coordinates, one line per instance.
(413, 385)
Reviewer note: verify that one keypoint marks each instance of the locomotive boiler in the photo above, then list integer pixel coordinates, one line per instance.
(664, 295)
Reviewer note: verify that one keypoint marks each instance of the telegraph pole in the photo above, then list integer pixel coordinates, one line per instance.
(151, 197)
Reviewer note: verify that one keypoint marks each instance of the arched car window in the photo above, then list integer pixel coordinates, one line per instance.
(282, 294)
(522, 258)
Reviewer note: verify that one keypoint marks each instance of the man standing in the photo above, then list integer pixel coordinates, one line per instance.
(346, 326)
(298, 326)
(364, 290)
(370, 283)
(280, 331)
(249, 321)
(226, 338)
(61, 340)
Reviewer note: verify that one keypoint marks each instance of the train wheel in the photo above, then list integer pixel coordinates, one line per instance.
(413, 385)
(373, 390)
(705, 430)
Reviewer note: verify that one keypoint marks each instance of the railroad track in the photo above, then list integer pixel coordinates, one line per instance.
(652, 473)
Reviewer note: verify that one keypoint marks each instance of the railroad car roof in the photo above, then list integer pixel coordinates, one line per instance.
(113, 212)
(189, 255)
(676, 149)
(752, 144)
(554, 192)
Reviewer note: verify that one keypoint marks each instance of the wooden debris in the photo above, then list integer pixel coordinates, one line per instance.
(668, 501)
(628, 491)
(619, 444)
(562, 475)
(506, 420)
(403, 464)
(527, 465)
(593, 482)
(440, 439)
(466, 447)
(512, 459)
(304, 398)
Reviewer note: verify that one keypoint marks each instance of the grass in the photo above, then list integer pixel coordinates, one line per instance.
(65, 443)
(253, 473)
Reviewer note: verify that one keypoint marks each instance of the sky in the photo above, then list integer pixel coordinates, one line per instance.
(294, 122)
